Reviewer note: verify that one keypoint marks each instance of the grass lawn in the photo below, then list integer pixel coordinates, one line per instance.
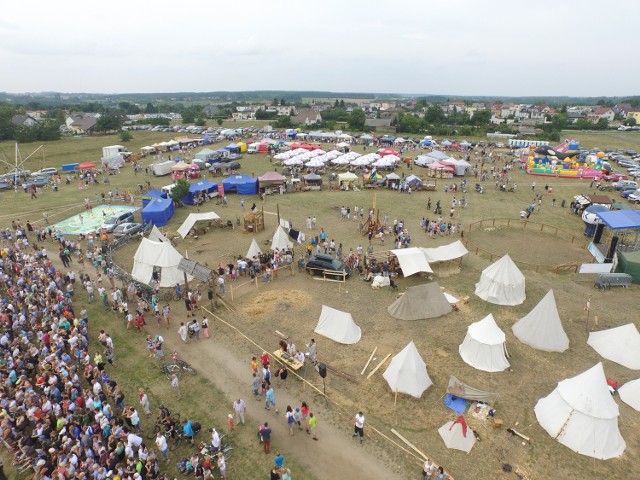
(291, 304)
(607, 139)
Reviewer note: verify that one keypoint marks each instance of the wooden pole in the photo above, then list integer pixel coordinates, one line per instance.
(409, 444)
(395, 400)
(278, 213)
(369, 361)
(379, 365)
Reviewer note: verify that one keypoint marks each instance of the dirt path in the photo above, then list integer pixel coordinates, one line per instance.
(335, 455)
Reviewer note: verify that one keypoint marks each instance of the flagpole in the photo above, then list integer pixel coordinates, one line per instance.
(587, 307)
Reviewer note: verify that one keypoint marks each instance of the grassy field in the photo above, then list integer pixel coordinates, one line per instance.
(609, 139)
(292, 304)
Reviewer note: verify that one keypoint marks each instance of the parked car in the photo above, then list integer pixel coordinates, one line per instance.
(622, 184)
(127, 229)
(634, 197)
(614, 176)
(628, 191)
(46, 171)
(39, 180)
(321, 263)
(112, 222)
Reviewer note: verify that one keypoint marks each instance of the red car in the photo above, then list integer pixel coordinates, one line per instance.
(614, 177)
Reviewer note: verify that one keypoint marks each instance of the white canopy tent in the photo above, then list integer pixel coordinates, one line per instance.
(484, 346)
(254, 249)
(502, 283)
(338, 326)
(407, 372)
(581, 414)
(162, 255)
(620, 345)
(191, 220)
(412, 261)
(445, 252)
(457, 435)
(541, 328)
(280, 240)
(630, 393)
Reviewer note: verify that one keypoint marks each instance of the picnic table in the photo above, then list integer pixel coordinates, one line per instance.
(290, 362)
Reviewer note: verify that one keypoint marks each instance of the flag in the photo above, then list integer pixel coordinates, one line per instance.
(587, 306)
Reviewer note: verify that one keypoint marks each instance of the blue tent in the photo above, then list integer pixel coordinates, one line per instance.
(152, 195)
(158, 211)
(242, 184)
(232, 147)
(201, 186)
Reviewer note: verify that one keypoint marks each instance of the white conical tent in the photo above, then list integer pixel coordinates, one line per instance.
(156, 235)
(407, 372)
(620, 345)
(582, 416)
(456, 434)
(254, 249)
(484, 346)
(541, 328)
(338, 326)
(162, 255)
(280, 240)
(502, 283)
(630, 393)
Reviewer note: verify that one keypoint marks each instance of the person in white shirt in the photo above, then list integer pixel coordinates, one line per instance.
(358, 428)
(161, 443)
(215, 440)
(239, 407)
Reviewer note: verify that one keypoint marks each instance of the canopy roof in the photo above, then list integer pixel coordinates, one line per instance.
(191, 220)
(393, 176)
(445, 252)
(338, 326)
(457, 435)
(407, 372)
(619, 344)
(86, 166)
(502, 283)
(180, 166)
(541, 328)
(581, 414)
(347, 177)
(158, 211)
(619, 219)
(162, 255)
(462, 390)
(630, 394)
(312, 177)
(272, 178)
(412, 261)
(420, 302)
(484, 346)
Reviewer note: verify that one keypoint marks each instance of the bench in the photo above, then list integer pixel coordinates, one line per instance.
(607, 280)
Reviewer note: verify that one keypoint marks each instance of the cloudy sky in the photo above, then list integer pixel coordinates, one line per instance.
(457, 47)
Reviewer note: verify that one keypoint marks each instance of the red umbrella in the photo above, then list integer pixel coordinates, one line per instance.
(86, 166)
(388, 151)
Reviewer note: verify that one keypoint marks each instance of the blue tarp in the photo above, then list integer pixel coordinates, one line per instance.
(619, 219)
(202, 185)
(456, 404)
(151, 195)
(158, 211)
(242, 184)
(233, 147)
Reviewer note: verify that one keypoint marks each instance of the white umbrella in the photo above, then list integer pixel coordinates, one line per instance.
(315, 163)
(292, 161)
(340, 160)
(362, 161)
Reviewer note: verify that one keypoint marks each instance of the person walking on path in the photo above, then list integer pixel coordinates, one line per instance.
(313, 351)
(166, 313)
(255, 386)
(278, 460)
(358, 429)
(195, 329)
(182, 331)
(175, 383)
(297, 418)
(144, 401)
(290, 419)
(311, 426)
(270, 399)
(239, 407)
(205, 327)
(161, 443)
(265, 434)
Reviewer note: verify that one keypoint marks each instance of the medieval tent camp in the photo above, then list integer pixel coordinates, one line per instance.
(458, 393)
(338, 326)
(502, 283)
(420, 302)
(407, 372)
(191, 220)
(445, 253)
(484, 346)
(241, 184)
(456, 434)
(619, 344)
(412, 261)
(541, 328)
(630, 393)
(280, 240)
(254, 249)
(581, 414)
(158, 211)
(160, 256)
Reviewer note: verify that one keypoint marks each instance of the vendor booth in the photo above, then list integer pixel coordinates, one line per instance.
(158, 211)
(198, 191)
(241, 184)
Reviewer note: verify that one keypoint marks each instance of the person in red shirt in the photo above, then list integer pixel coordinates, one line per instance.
(264, 358)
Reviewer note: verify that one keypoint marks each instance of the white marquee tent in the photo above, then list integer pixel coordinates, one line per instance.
(280, 240)
(191, 220)
(581, 414)
(152, 254)
(456, 434)
(412, 261)
(407, 372)
(445, 252)
(254, 249)
(338, 326)
(541, 328)
(630, 393)
(502, 283)
(620, 345)
(484, 346)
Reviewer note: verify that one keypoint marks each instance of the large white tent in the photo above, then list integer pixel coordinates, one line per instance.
(412, 261)
(156, 235)
(338, 326)
(484, 346)
(191, 220)
(620, 345)
(502, 283)
(445, 253)
(407, 372)
(541, 328)
(162, 255)
(280, 240)
(456, 434)
(630, 393)
(581, 414)
(419, 302)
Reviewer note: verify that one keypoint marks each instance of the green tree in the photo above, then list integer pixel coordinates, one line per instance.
(283, 122)
(435, 115)
(188, 116)
(560, 121)
(630, 122)
(150, 108)
(481, 117)
(357, 119)
(180, 191)
(219, 121)
(602, 124)
(200, 122)
(108, 123)
(126, 136)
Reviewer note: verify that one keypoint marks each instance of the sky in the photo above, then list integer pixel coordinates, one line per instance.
(445, 47)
